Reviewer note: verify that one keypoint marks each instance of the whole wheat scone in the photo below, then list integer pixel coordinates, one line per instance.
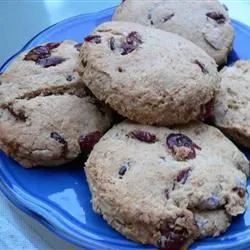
(47, 116)
(232, 103)
(167, 187)
(148, 75)
(47, 130)
(205, 23)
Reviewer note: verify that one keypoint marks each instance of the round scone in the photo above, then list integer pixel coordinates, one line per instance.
(205, 23)
(164, 186)
(45, 69)
(232, 103)
(47, 116)
(148, 75)
(51, 130)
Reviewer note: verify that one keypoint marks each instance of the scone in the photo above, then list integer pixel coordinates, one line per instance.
(51, 130)
(167, 187)
(45, 69)
(205, 23)
(47, 116)
(148, 75)
(232, 104)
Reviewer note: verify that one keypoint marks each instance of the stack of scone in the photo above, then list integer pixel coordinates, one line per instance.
(162, 176)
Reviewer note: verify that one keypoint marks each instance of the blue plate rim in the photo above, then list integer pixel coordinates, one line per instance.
(36, 209)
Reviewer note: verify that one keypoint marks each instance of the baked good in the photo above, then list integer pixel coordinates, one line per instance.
(231, 108)
(205, 23)
(148, 75)
(47, 116)
(50, 130)
(164, 186)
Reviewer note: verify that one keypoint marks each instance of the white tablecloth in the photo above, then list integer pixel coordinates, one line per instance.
(17, 230)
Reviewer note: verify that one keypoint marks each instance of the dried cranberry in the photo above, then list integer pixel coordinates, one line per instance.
(240, 191)
(207, 112)
(183, 175)
(112, 43)
(165, 19)
(143, 136)
(94, 38)
(50, 61)
(51, 46)
(133, 37)
(58, 138)
(88, 141)
(123, 170)
(40, 52)
(37, 53)
(218, 17)
(202, 66)
(178, 141)
(78, 46)
(132, 41)
(173, 238)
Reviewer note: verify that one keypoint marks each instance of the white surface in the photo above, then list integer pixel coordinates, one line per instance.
(17, 230)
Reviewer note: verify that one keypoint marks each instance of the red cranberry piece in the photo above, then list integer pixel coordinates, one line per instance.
(165, 19)
(183, 175)
(78, 46)
(143, 136)
(112, 43)
(37, 53)
(40, 52)
(132, 41)
(180, 142)
(133, 37)
(122, 170)
(93, 39)
(218, 17)
(51, 46)
(88, 141)
(56, 136)
(50, 61)
(240, 191)
(202, 66)
(207, 112)
(172, 238)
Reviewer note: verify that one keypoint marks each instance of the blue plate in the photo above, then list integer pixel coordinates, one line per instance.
(59, 198)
